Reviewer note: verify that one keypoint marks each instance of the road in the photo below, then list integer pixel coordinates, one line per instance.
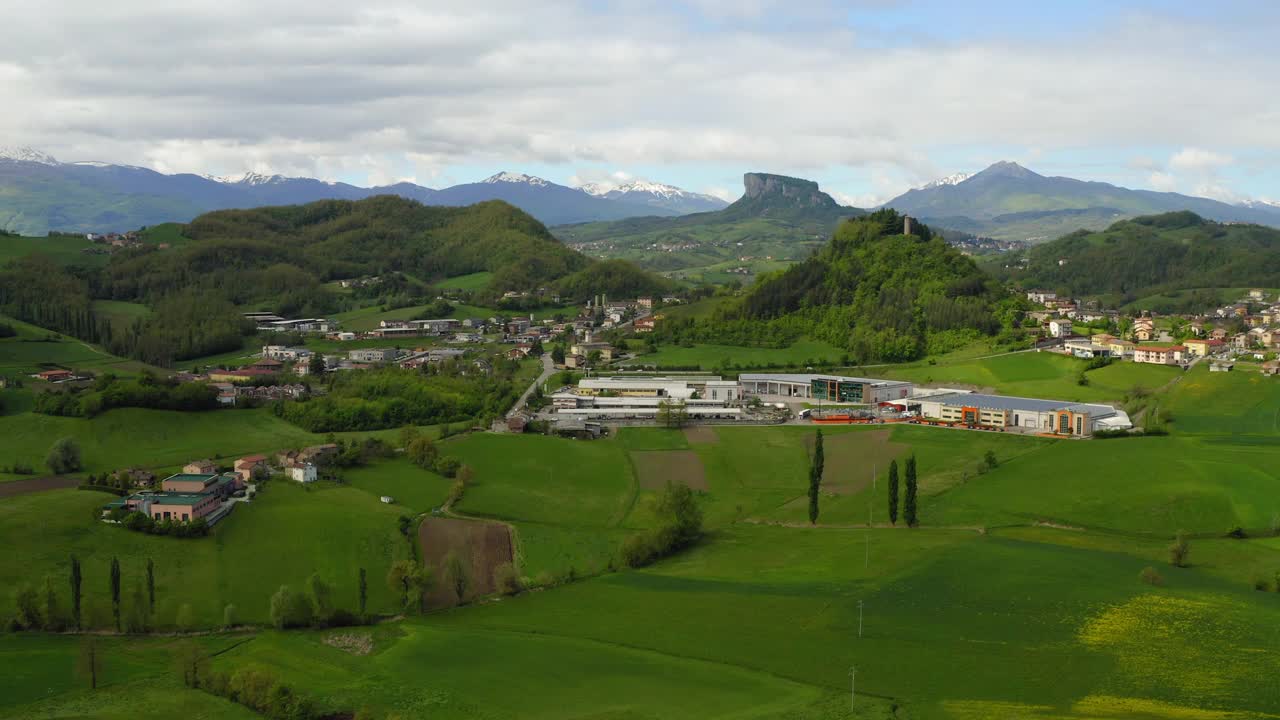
(548, 368)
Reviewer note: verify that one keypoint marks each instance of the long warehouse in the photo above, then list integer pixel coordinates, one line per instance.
(833, 388)
(1060, 417)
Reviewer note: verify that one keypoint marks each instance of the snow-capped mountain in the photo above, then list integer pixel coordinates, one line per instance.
(1268, 205)
(521, 178)
(656, 195)
(26, 154)
(35, 189)
(954, 179)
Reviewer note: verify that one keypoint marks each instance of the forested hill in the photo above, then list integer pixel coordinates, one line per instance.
(881, 294)
(280, 258)
(1153, 255)
(334, 239)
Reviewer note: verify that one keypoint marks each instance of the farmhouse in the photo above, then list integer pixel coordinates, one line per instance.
(200, 467)
(835, 388)
(55, 376)
(303, 472)
(1058, 417)
(248, 465)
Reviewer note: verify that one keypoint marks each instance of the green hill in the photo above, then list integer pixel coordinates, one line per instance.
(878, 293)
(1151, 256)
(778, 218)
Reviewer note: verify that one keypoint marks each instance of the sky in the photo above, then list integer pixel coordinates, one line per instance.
(867, 97)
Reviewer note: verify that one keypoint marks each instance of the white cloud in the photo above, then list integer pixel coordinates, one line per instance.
(1162, 181)
(1198, 160)
(394, 88)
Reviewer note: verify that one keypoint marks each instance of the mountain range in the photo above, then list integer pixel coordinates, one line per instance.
(1007, 201)
(39, 194)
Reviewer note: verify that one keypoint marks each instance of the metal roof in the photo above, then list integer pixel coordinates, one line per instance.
(1006, 402)
(809, 378)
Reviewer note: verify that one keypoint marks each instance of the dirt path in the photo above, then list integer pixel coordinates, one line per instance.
(22, 487)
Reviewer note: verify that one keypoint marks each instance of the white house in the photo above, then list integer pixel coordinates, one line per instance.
(1059, 328)
(301, 472)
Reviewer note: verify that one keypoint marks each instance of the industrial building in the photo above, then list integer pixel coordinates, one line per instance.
(642, 397)
(833, 388)
(1059, 417)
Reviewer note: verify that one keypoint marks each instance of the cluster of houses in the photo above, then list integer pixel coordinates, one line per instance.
(201, 492)
(1143, 341)
(107, 243)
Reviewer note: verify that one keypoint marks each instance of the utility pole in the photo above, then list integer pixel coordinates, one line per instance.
(868, 548)
(859, 618)
(853, 684)
(873, 477)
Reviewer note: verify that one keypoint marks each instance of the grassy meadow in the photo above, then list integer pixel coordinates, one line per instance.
(1019, 596)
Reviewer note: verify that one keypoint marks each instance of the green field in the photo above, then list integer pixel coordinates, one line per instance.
(1018, 597)
(282, 537)
(120, 313)
(137, 437)
(707, 356)
(34, 349)
(474, 281)
(1033, 374)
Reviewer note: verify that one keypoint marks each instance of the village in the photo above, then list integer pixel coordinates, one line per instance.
(1246, 331)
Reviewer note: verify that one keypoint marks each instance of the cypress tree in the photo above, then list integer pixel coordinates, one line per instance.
(893, 492)
(909, 504)
(364, 591)
(151, 586)
(115, 591)
(815, 478)
(75, 591)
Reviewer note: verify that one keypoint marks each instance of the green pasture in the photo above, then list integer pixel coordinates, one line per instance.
(281, 537)
(413, 488)
(1153, 486)
(1235, 407)
(34, 349)
(138, 437)
(1035, 374)
(474, 281)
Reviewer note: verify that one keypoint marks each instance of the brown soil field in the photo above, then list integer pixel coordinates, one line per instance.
(851, 457)
(482, 546)
(655, 467)
(22, 487)
(701, 435)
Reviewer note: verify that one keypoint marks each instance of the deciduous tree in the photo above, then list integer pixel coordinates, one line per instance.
(815, 477)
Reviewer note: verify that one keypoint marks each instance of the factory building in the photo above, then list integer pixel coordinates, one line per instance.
(1059, 417)
(832, 388)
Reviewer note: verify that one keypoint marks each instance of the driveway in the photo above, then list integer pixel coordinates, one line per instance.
(548, 369)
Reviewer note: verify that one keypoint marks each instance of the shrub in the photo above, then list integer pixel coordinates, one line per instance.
(230, 616)
(1180, 550)
(1237, 532)
(64, 456)
(506, 580)
(1151, 576)
(1261, 584)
